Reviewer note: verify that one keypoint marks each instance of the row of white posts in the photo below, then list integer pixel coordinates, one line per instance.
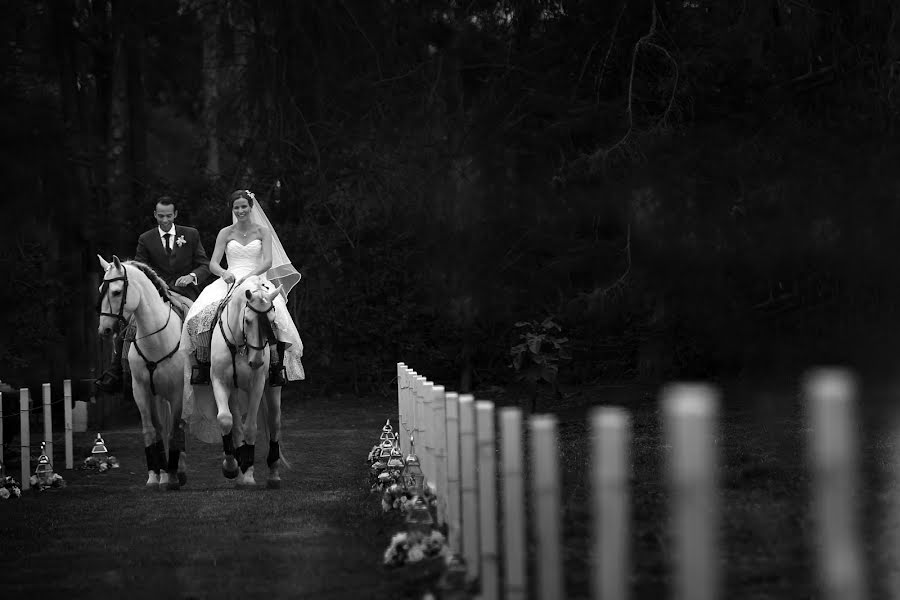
(25, 429)
(455, 439)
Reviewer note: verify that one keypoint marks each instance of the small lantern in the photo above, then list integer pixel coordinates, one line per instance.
(419, 517)
(99, 450)
(396, 460)
(44, 470)
(387, 432)
(413, 477)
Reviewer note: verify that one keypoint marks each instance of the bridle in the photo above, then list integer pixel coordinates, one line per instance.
(234, 347)
(120, 316)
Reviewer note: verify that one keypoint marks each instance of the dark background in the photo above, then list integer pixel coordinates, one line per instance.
(689, 189)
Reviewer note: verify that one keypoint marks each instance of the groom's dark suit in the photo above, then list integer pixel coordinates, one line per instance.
(187, 257)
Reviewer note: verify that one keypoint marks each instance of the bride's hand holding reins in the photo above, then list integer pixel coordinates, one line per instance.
(227, 277)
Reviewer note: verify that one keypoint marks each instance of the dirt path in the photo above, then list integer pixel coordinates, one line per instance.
(105, 536)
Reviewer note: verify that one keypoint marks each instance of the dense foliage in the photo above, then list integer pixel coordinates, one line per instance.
(676, 183)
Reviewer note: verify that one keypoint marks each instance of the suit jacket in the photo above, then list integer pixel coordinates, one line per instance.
(188, 256)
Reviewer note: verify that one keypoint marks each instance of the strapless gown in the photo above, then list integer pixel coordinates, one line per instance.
(199, 405)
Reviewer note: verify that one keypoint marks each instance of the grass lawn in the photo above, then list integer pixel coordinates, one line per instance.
(322, 535)
(106, 536)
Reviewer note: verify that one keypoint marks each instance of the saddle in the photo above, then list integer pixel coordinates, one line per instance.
(180, 304)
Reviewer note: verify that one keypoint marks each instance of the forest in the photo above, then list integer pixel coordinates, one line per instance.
(633, 189)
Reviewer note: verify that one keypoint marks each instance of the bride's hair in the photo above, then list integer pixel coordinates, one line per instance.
(245, 194)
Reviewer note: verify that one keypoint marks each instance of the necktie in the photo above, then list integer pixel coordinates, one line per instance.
(168, 245)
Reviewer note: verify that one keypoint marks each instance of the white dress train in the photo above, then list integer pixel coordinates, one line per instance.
(199, 404)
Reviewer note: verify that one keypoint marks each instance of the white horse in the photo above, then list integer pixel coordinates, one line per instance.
(239, 361)
(157, 367)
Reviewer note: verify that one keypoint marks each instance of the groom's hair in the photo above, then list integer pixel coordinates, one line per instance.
(166, 201)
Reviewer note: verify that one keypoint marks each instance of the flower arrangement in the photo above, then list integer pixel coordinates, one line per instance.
(9, 488)
(397, 497)
(413, 547)
(54, 481)
(101, 464)
(385, 479)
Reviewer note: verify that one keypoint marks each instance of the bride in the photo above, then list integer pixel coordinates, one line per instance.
(251, 247)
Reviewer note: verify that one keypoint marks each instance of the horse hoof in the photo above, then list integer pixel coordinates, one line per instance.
(273, 484)
(173, 485)
(182, 478)
(229, 474)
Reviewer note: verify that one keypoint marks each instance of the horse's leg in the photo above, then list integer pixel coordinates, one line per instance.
(248, 450)
(176, 466)
(159, 446)
(237, 430)
(222, 393)
(142, 399)
(273, 460)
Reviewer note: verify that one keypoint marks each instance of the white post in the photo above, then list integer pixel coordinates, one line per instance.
(611, 466)
(25, 438)
(831, 399)
(408, 406)
(416, 431)
(469, 485)
(689, 415)
(454, 520)
(487, 499)
(511, 461)
(48, 422)
(401, 405)
(439, 437)
(546, 497)
(427, 452)
(67, 405)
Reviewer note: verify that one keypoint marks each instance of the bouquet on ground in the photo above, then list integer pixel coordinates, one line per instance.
(10, 488)
(416, 548)
(54, 481)
(102, 464)
(397, 497)
(385, 479)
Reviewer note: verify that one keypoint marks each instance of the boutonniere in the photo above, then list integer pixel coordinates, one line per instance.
(181, 241)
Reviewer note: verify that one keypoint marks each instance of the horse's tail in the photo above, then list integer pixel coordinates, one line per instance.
(264, 428)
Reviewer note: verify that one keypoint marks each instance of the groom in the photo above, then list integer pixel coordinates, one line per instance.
(176, 254)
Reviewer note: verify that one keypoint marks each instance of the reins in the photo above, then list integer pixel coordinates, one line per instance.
(232, 346)
(150, 364)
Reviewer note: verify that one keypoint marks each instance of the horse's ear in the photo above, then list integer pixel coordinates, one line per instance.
(103, 263)
(117, 262)
(272, 295)
(248, 294)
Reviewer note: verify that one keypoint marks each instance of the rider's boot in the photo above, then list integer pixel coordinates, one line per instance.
(200, 374)
(112, 379)
(277, 372)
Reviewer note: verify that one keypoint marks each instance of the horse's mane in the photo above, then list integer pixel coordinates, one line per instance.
(155, 279)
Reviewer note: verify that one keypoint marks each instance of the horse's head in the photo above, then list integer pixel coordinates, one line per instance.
(114, 304)
(257, 319)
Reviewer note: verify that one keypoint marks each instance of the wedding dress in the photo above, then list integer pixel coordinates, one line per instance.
(200, 407)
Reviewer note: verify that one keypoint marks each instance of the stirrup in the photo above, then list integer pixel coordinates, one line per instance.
(111, 381)
(200, 374)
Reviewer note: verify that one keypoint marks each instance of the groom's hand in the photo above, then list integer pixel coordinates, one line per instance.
(184, 281)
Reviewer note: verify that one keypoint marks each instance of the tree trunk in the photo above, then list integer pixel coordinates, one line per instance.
(210, 17)
(75, 226)
(137, 125)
